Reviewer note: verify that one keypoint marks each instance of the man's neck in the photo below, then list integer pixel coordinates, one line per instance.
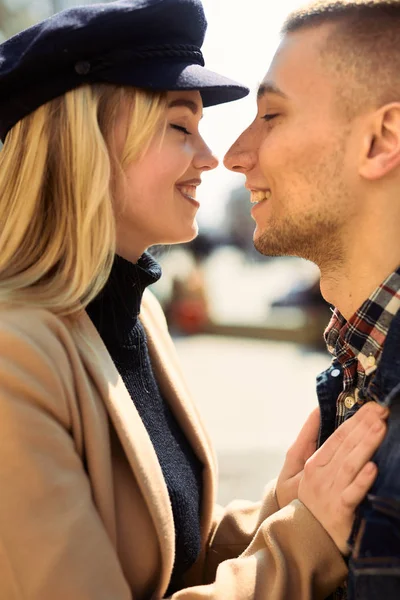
(349, 285)
(368, 251)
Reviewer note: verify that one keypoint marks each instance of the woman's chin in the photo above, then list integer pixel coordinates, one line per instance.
(184, 236)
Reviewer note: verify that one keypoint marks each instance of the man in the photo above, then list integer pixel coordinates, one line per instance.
(322, 162)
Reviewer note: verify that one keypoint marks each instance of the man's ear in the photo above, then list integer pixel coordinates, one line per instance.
(382, 143)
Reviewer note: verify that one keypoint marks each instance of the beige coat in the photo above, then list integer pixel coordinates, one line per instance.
(84, 509)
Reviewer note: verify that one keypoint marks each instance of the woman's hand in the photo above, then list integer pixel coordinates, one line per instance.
(296, 457)
(337, 477)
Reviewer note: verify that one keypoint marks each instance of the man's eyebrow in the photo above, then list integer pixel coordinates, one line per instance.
(192, 106)
(270, 88)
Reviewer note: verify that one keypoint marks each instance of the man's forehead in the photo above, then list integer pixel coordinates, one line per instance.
(296, 65)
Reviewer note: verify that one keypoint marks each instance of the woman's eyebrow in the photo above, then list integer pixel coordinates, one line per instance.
(192, 106)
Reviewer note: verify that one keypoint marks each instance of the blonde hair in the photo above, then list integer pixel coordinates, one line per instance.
(58, 170)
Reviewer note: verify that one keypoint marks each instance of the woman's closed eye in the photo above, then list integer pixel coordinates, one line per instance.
(180, 128)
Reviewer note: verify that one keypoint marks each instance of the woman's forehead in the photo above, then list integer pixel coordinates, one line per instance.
(189, 99)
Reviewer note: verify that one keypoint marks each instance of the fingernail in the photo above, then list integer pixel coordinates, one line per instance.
(370, 467)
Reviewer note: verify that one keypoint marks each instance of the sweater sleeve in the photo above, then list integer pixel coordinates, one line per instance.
(52, 541)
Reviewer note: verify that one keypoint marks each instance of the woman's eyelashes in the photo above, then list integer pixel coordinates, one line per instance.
(180, 128)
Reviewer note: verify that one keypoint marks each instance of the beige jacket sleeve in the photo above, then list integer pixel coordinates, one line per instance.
(52, 542)
(290, 557)
(235, 526)
(260, 552)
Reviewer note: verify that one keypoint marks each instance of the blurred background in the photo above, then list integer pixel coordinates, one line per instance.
(248, 328)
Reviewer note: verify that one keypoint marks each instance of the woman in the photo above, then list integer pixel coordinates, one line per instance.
(106, 474)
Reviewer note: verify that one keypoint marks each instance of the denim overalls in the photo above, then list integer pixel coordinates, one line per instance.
(374, 565)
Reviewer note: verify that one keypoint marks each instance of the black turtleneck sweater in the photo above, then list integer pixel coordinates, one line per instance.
(115, 315)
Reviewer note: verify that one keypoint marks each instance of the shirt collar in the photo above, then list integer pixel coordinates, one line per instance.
(363, 335)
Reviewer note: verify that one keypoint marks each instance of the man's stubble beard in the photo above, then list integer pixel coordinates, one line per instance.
(313, 238)
(316, 233)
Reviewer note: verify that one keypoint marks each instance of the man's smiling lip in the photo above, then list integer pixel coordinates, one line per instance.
(258, 194)
(255, 188)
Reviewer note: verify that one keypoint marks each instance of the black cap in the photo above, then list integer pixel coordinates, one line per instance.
(152, 44)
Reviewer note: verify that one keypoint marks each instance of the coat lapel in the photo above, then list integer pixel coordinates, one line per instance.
(134, 439)
(168, 373)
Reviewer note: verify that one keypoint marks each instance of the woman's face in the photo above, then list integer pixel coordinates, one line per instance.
(157, 204)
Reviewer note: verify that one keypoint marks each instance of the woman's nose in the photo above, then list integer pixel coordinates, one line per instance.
(206, 159)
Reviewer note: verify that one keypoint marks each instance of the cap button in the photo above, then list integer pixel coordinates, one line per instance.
(82, 67)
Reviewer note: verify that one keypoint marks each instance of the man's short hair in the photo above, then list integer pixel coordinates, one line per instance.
(363, 48)
(320, 11)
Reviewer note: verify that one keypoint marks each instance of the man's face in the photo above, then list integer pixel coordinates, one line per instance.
(297, 156)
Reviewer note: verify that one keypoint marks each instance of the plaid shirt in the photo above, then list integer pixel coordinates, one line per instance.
(358, 343)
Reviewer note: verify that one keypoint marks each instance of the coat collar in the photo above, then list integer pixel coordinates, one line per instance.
(384, 387)
(169, 375)
(133, 434)
(134, 440)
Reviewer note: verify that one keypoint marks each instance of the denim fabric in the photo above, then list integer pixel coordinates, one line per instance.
(374, 566)
(329, 386)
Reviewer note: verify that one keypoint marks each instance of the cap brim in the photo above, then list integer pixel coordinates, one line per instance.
(163, 76)
(214, 88)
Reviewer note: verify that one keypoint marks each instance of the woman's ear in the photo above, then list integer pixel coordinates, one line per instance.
(381, 153)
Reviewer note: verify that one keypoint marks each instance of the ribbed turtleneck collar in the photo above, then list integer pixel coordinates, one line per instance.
(115, 310)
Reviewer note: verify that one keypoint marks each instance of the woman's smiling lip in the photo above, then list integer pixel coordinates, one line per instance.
(188, 190)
